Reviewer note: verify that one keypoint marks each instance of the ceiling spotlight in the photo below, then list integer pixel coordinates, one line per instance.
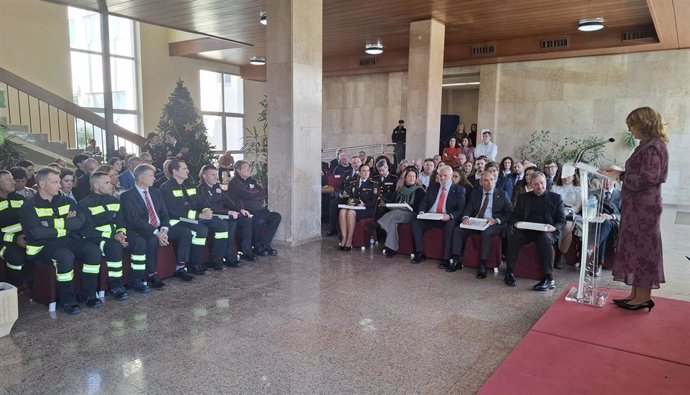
(262, 18)
(591, 24)
(257, 60)
(374, 48)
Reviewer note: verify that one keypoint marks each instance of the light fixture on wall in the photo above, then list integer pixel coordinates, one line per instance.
(257, 60)
(374, 48)
(590, 24)
(262, 18)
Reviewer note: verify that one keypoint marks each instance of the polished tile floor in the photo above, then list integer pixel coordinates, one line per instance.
(313, 320)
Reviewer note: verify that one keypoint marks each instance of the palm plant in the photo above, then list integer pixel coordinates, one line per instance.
(255, 146)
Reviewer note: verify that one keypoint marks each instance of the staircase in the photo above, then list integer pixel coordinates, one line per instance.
(48, 126)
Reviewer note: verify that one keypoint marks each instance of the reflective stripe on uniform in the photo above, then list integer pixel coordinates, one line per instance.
(177, 193)
(16, 203)
(14, 267)
(63, 210)
(61, 232)
(138, 257)
(115, 207)
(138, 266)
(33, 250)
(114, 269)
(95, 210)
(101, 245)
(174, 222)
(44, 212)
(59, 223)
(64, 277)
(199, 241)
(106, 231)
(11, 228)
(121, 230)
(191, 214)
(2, 252)
(114, 264)
(91, 269)
(4, 204)
(220, 235)
(8, 237)
(115, 274)
(191, 192)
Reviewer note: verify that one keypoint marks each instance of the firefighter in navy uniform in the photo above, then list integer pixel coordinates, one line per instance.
(13, 244)
(211, 195)
(104, 226)
(50, 222)
(387, 183)
(179, 196)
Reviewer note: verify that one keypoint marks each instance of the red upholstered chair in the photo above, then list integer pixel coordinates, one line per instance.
(334, 181)
(527, 264)
(472, 253)
(166, 261)
(405, 240)
(361, 237)
(433, 243)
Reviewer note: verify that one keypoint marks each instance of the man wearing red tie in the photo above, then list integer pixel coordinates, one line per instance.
(443, 198)
(147, 216)
(491, 204)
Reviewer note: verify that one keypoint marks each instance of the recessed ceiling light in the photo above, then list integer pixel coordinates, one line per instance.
(257, 60)
(591, 24)
(262, 18)
(374, 48)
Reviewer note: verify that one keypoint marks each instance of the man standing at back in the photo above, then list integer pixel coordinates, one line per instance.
(399, 137)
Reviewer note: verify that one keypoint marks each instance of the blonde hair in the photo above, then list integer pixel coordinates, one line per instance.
(649, 122)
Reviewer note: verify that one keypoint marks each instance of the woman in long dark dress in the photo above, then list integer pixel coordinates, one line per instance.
(640, 259)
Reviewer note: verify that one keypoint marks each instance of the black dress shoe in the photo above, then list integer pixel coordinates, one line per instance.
(347, 248)
(199, 270)
(249, 257)
(271, 251)
(233, 262)
(444, 264)
(71, 308)
(619, 301)
(91, 301)
(418, 258)
(544, 285)
(261, 251)
(155, 282)
(481, 273)
(509, 279)
(119, 294)
(183, 275)
(390, 253)
(453, 266)
(140, 287)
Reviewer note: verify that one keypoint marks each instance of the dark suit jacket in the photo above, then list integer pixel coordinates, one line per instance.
(135, 213)
(554, 209)
(455, 199)
(126, 180)
(83, 188)
(501, 208)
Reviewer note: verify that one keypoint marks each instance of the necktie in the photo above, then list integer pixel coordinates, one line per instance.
(485, 205)
(607, 196)
(360, 184)
(149, 209)
(441, 201)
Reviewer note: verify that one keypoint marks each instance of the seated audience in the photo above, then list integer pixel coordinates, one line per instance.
(468, 169)
(121, 153)
(92, 149)
(30, 172)
(550, 170)
(226, 163)
(427, 175)
(490, 203)
(460, 179)
(155, 149)
(117, 190)
(467, 149)
(568, 186)
(61, 162)
(523, 185)
(479, 164)
(418, 163)
(450, 154)
(518, 172)
(12, 238)
(78, 161)
(361, 192)
(386, 183)
(443, 198)
(486, 147)
(83, 187)
(345, 179)
(248, 195)
(334, 162)
(540, 206)
(437, 159)
(410, 191)
(369, 162)
(127, 177)
(116, 163)
(502, 182)
(147, 158)
(67, 183)
(20, 176)
(362, 156)
(506, 166)
(343, 165)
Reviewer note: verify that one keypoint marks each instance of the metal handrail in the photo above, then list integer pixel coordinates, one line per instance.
(371, 149)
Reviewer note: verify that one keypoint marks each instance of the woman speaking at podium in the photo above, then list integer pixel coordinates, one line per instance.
(640, 262)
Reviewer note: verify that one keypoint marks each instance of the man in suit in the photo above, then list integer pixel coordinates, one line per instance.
(502, 182)
(146, 215)
(550, 170)
(387, 183)
(83, 187)
(543, 207)
(127, 177)
(490, 203)
(444, 198)
(611, 211)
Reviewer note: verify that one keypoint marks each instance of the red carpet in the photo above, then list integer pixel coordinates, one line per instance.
(576, 348)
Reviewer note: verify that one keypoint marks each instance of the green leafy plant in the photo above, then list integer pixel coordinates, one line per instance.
(541, 148)
(255, 145)
(629, 140)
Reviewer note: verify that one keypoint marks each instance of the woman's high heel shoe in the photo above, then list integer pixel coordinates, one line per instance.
(347, 248)
(341, 247)
(619, 301)
(646, 305)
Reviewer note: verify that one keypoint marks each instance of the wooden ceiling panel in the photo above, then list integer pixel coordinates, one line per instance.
(349, 24)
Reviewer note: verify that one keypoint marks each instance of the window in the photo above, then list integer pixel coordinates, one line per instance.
(222, 107)
(87, 72)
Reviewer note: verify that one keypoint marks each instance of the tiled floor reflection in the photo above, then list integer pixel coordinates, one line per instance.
(313, 320)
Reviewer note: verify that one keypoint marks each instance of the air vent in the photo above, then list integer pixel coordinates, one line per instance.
(555, 43)
(488, 49)
(367, 61)
(638, 35)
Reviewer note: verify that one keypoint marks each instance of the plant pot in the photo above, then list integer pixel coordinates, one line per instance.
(9, 311)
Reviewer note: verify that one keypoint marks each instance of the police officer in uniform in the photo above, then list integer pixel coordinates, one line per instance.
(13, 244)
(179, 196)
(211, 195)
(104, 226)
(51, 222)
(387, 183)
(361, 192)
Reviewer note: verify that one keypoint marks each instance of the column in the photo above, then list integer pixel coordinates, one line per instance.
(424, 79)
(294, 84)
(487, 117)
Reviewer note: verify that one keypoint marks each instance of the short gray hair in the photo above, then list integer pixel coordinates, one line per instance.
(143, 168)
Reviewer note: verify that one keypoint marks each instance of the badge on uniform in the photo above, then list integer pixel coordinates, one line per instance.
(218, 190)
(251, 185)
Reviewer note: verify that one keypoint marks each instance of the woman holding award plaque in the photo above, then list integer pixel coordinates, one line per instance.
(358, 202)
(640, 262)
(407, 198)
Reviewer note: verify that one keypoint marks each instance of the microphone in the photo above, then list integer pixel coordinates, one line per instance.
(578, 157)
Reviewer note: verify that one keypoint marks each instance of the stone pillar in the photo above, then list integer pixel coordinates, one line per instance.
(294, 85)
(424, 79)
(487, 117)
